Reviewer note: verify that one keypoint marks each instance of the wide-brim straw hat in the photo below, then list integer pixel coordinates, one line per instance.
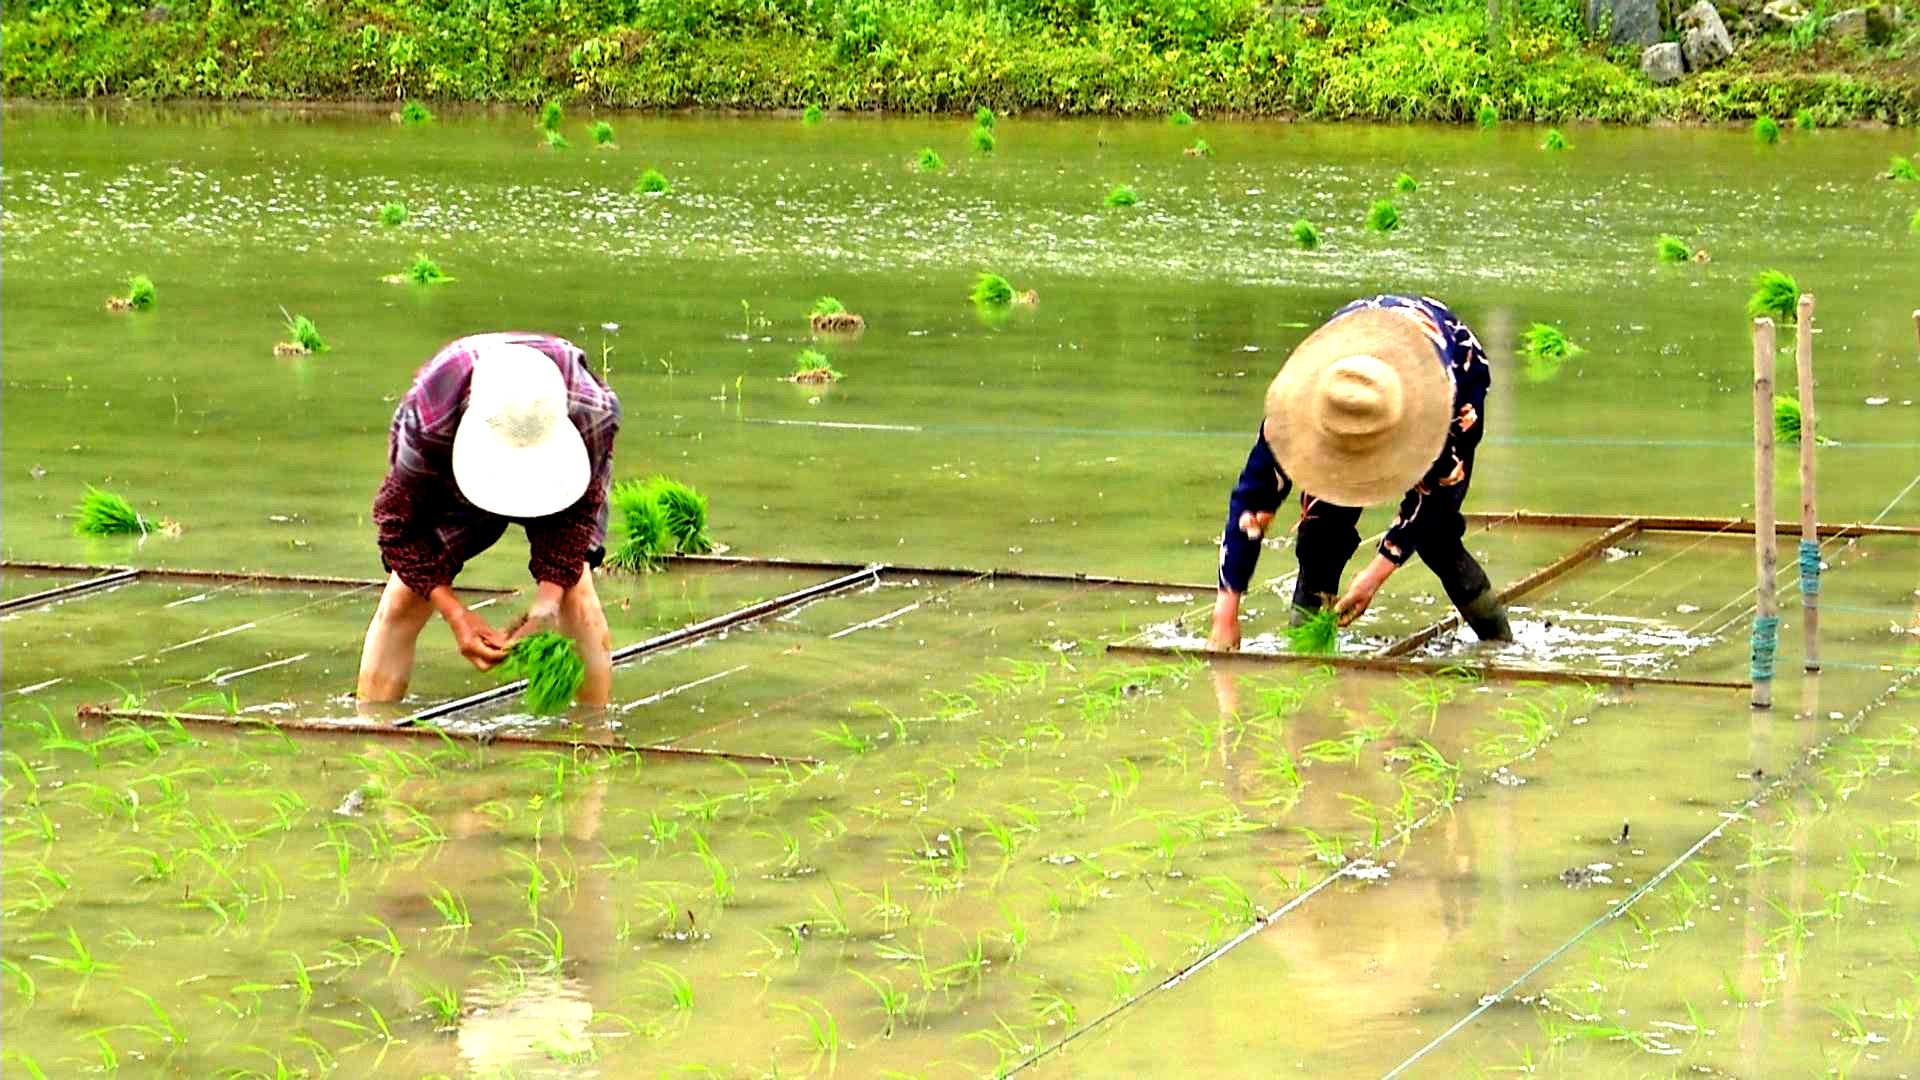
(516, 452)
(1360, 410)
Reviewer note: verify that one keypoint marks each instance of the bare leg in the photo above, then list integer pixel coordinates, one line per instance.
(386, 661)
(582, 619)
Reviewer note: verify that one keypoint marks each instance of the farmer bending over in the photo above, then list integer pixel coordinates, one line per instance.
(496, 429)
(1387, 397)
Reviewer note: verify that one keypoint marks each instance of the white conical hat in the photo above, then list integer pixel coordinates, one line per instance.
(516, 453)
(1360, 410)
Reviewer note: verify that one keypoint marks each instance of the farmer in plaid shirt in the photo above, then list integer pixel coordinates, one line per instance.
(497, 429)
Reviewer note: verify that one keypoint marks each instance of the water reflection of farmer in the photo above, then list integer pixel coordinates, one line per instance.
(1388, 397)
(497, 429)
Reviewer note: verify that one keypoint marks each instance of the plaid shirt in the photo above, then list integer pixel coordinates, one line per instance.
(1438, 494)
(428, 530)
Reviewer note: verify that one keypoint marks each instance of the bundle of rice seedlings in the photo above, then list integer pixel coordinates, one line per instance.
(990, 290)
(930, 161)
(302, 338)
(1775, 295)
(644, 539)
(1914, 225)
(812, 366)
(1786, 418)
(423, 270)
(1122, 195)
(1200, 148)
(829, 316)
(1305, 234)
(602, 133)
(1901, 169)
(1179, 118)
(393, 214)
(557, 141)
(1316, 635)
(552, 667)
(415, 113)
(1489, 117)
(1544, 342)
(1803, 119)
(983, 117)
(1672, 249)
(1405, 184)
(139, 295)
(1383, 216)
(983, 140)
(103, 513)
(1554, 140)
(685, 513)
(1766, 130)
(550, 116)
(652, 182)
(811, 115)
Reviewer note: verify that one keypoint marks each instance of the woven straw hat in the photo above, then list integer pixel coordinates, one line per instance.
(1361, 409)
(516, 452)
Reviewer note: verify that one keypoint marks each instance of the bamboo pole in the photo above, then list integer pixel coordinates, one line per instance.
(1809, 516)
(1766, 610)
(1672, 523)
(70, 590)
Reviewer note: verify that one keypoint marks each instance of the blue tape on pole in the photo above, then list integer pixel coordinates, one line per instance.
(1809, 569)
(1766, 635)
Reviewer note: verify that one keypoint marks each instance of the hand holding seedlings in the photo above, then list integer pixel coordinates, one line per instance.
(480, 643)
(541, 615)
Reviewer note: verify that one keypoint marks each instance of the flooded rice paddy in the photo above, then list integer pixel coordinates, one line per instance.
(985, 844)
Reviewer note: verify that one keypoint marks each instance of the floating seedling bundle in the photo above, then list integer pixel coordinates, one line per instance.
(983, 117)
(829, 316)
(602, 133)
(983, 140)
(415, 113)
(1305, 235)
(1179, 118)
(811, 115)
(1775, 295)
(1554, 140)
(1766, 130)
(812, 366)
(138, 297)
(551, 116)
(1383, 216)
(658, 517)
(302, 337)
(422, 271)
(1672, 249)
(929, 161)
(1901, 169)
(557, 141)
(104, 513)
(1405, 184)
(652, 182)
(552, 666)
(1488, 116)
(684, 511)
(1545, 348)
(1201, 148)
(1121, 195)
(393, 213)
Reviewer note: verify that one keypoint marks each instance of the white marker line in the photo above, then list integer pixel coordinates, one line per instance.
(222, 680)
(194, 599)
(857, 627)
(206, 637)
(38, 686)
(842, 424)
(491, 600)
(664, 694)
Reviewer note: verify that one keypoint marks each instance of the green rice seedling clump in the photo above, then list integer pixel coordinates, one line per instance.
(983, 140)
(991, 290)
(1489, 117)
(550, 116)
(1316, 635)
(393, 214)
(301, 331)
(552, 666)
(1786, 418)
(103, 513)
(1383, 216)
(1179, 118)
(415, 113)
(983, 117)
(557, 141)
(1200, 148)
(685, 512)
(1405, 184)
(1803, 119)
(602, 133)
(645, 539)
(652, 182)
(930, 161)
(812, 365)
(1902, 169)
(826, 305)
(1775, 295)
(1305, 235)
(1672, 249)
(1914, 225)
(424, 271)
(1545, 342)
(1122, 195)
(1554, 140)
(140, 292)
(1766, 130)
(811, 115)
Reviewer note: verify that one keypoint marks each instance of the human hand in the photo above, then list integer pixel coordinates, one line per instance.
(480, 643)
(541, 615)
(1360, 594)
(1254, 524)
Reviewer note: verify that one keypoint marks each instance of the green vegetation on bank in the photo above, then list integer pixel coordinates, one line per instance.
(1353, 58)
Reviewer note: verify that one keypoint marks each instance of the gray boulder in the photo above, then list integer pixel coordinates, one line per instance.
(1634, 21)
(1703, 37)
(1783, 13)
(1851, 23)
(1661, 63)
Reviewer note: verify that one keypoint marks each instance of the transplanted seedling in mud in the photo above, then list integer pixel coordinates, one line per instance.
(1672, 249)
(1121, 195)
(105, 513)
(602, 133)
(1305, 235)
(139, 295)
(393, 213)
(552, 666)
(302, 338)
(812, 366)
(1775, 295)
(652, 182)
(1766, 130)
(1383, 216)
(983, 140)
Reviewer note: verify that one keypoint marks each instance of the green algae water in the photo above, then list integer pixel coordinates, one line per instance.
(993, 844)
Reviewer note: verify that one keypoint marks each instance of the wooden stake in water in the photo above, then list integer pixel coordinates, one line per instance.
(1809, 518)
(1766, 608)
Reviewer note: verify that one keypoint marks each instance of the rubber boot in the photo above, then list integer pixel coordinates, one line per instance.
(1488, 617)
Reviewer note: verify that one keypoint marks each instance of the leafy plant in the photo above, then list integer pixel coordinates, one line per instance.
(393, 213)
(550, 116)
(1305, 235)
(301, 332)
(1901, 169)
(1766, 130)
(930, 161)
(1405, 184)
(685, 513)
(1672, 249)
(1179, 118)
(1316, 635)
(811, 115)
(1546, 342)
(983, 117)
(1488, 116)
(812, 365)
(1804, 120)
(983, 140)
(424, 271)
(557, 141)
(1383, 216)
(551, 664)
(415, 113)
(1554, 140)
(652, 182)
(1122, 195)
(1775, 294)
(602, 133)
(1201, 148)
(104, 513)
(645, 539)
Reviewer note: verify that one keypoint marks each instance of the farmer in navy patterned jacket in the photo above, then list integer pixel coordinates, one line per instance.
(497, 429)
(1388, 397)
